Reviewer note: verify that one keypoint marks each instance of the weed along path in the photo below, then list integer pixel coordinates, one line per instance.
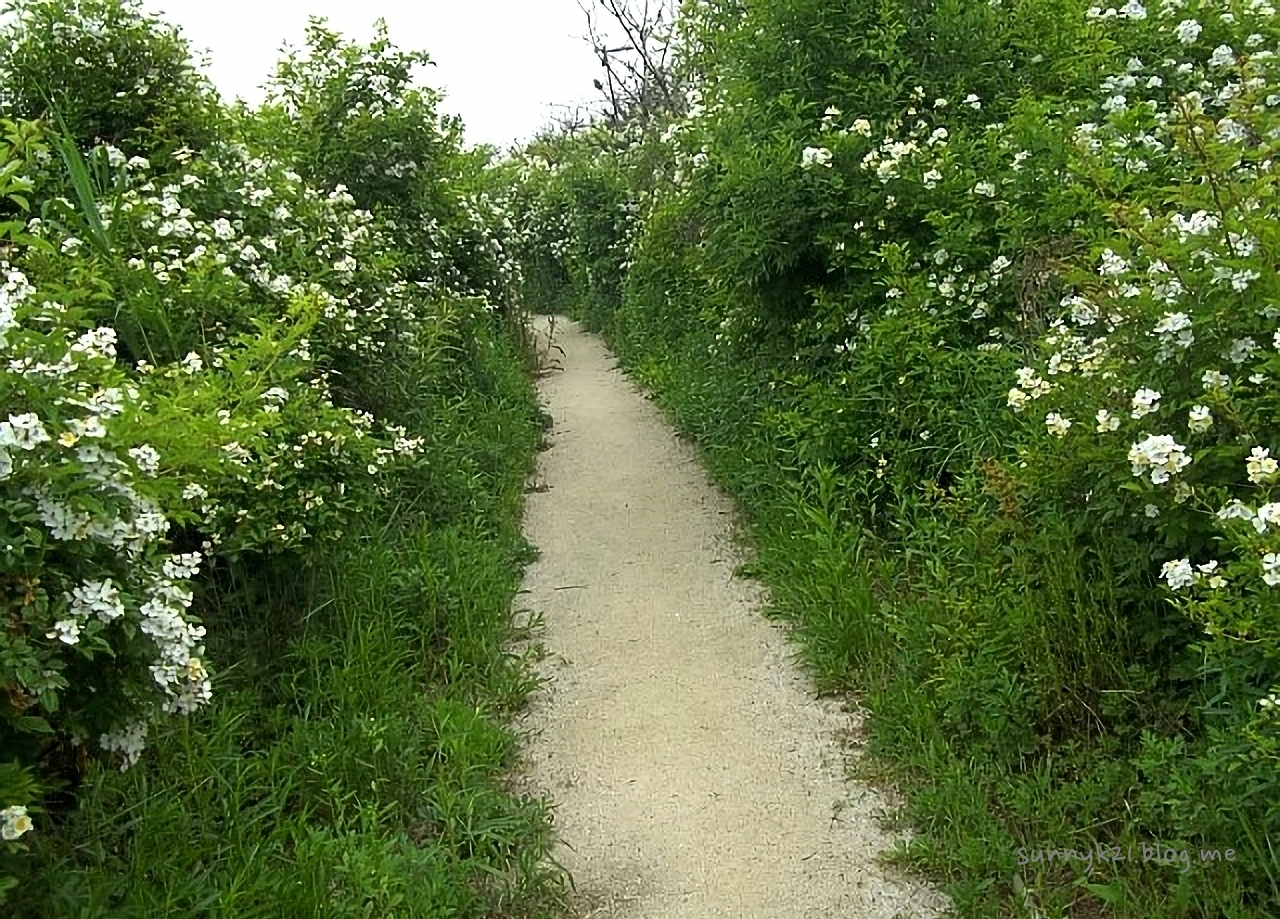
(693, 773)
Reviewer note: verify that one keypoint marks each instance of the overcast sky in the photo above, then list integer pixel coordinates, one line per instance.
(501, 63)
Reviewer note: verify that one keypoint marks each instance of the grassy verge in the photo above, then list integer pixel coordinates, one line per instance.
(353, 763)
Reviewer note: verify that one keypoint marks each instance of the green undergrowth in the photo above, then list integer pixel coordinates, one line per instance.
(355, 763)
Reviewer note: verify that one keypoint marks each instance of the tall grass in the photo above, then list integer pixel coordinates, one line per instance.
(354, 761)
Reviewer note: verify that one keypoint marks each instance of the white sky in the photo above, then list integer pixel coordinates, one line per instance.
(503, 64)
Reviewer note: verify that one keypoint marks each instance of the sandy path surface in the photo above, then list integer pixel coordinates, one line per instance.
(693, 772)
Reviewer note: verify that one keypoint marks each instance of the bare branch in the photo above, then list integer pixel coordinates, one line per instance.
(640, 80)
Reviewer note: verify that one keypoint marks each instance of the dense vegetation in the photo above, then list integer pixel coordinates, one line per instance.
(268, 417)
(974, 307)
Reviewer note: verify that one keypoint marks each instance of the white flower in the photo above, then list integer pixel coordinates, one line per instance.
(26, 432)
(1232, 131)
(1200, 419)
(1271, 569)
(1213, 380)
(183, 567)
(1178, 573)
(1056, 424)
(1201, 223)
(1268, 515)
(1241, 350)
(96, 598)
(1210, 568)
(973, 101)
(1112, 264)
(1018, 399)
(147, 458)
(1033, 384)
(1223, 56)
(862, 126)
(815, 156)
(932, 178)
(128, 742)
(1107, 422)
(1261, 466)
(65, 630)
(1144, 402)
(192, 363)
(14, 822)
(1151, 510)
(1236, 510)
(1161, 455)
(1082, 311)
(1175, 328)
(986, 189)
(194, 492)
(88, 427)
(1187, 31)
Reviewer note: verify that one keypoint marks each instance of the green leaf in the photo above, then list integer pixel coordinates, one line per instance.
(31, 724)
(1107, 893)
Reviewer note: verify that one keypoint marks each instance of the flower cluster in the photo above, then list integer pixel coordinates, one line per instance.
(228, 431)
(1188, 134)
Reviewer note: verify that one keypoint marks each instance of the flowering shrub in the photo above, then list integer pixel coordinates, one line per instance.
(357, 120)
(146, 95)
(103, 463)
(200, 325)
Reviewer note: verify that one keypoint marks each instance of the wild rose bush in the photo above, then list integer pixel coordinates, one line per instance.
(199, 335)
(355, 118)
(1165, 358)
(238, 443)
(147, 94)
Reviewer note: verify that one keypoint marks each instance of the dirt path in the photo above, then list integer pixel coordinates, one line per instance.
(694, 775)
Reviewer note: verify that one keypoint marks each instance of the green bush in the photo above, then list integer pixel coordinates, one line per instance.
(266, 434)
(111, 73)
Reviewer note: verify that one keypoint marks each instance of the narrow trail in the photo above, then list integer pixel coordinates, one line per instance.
(694, 774)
